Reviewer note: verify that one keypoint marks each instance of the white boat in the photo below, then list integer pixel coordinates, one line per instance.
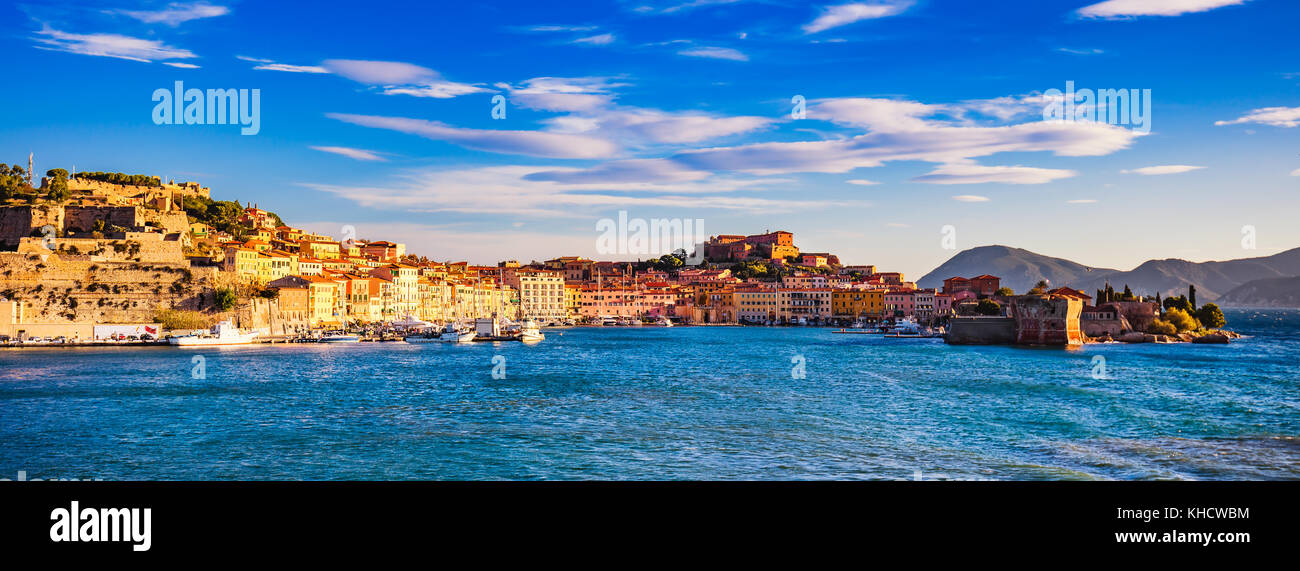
(340, 337)
(529, 331)
(224, 333)
(609, 321)
(457, 333)
(664, 322)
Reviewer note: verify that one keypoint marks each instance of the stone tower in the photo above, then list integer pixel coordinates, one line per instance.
(29, 168)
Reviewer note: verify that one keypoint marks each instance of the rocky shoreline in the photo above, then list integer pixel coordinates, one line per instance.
(1214, 337)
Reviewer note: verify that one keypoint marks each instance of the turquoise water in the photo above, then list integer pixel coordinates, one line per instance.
(661, 403)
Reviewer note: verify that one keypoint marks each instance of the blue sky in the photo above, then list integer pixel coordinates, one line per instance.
(919, 115)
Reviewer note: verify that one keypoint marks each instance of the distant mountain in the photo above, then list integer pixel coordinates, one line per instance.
(1021, 269)
(1270, 292)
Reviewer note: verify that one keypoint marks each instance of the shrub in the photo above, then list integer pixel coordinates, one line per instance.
(1162, 327)
(1211, 316)
(1181, 320)
(182, 319)
(224, 299)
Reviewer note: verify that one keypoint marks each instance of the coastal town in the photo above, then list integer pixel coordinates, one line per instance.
(102, 256)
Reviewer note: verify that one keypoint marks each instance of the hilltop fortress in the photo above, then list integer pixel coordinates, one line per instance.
(110, 253)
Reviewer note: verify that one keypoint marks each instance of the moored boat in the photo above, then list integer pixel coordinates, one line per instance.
(223, 333)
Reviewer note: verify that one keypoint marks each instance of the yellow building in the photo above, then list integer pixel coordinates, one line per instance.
(858, 303)
(319, 249)
(243, 262)
(755, 304)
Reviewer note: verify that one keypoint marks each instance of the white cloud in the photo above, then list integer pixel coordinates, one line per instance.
(358, 154)
(902, 131)
(181, 65)
(1274, 116)
(1162, 169)
(1131, 8)
(511, 190)
(1081, 201)
(177, 13)
(978, 174)
(562, 93)
(597, 40)
(110, 45)
(1081, 51)
(715, 53)
(560, 28)
(1295, 172)
(291, 68)
(898, 225)
(862, 182)
(533, 143)
(844, 14)
(970, 198)
(400, 78)
(588, 104)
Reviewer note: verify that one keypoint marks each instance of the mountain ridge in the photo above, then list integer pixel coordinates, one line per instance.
(1020, 269)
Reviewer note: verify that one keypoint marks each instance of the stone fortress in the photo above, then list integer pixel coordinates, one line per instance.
(109, 254)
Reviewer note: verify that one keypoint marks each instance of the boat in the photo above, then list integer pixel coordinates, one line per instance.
(339, 337)
(609, 321)
(429, 335)
(223, 333)
(456, 332)
(529, 331)
(664, 322)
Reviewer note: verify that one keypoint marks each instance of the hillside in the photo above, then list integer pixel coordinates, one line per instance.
(1020, 269)
(1271, 292)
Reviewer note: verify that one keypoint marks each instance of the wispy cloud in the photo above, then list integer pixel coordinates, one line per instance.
(910, 131)
(531, 143)
(979, 174)
(552, 28)
(1162, 169)
(970, 198)
(597, 40)
(109, 45)
(401, 78)
(845, 14)
(358, 154)
(715, 53)
(1295, 172)
(516, 191)
(180, 65)
(1273, 116)
(271, 65)
(1133, 8)
(177, 13)
(1081, 201)
(1082, 51)
(862, 182)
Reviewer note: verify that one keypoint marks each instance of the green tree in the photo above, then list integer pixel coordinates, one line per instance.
(1211, 316)
(1162, 327)
(1191, 296)
(1004, 291)
(1039, 288)
(988, 307)
(224, 299)
(1181, 320)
